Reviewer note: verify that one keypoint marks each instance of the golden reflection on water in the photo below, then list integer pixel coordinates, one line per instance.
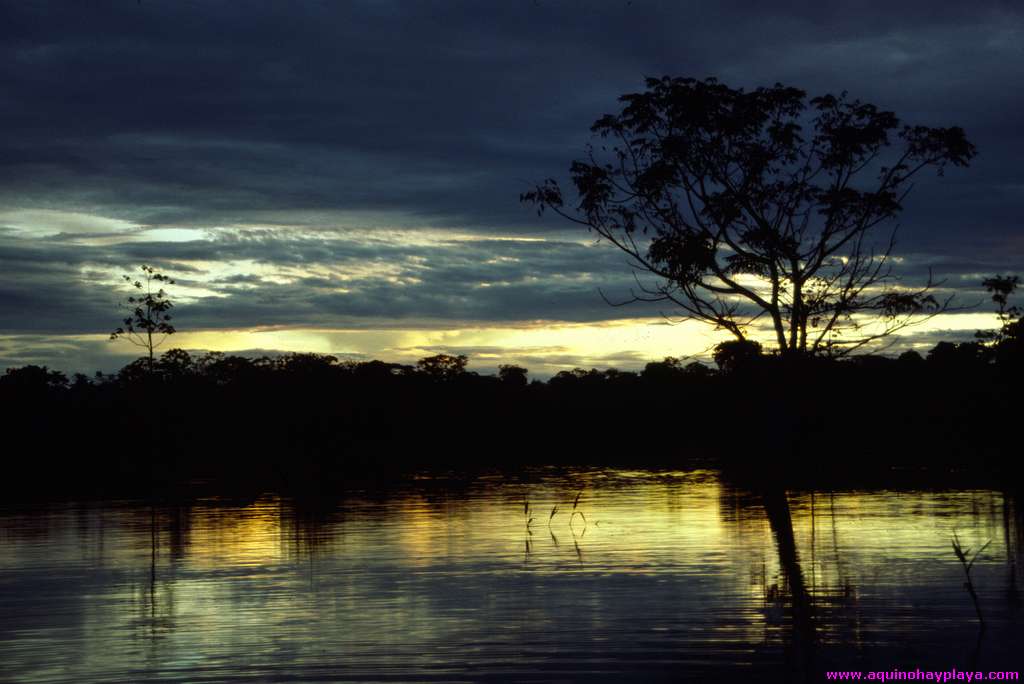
(237, 536)
(649, 570)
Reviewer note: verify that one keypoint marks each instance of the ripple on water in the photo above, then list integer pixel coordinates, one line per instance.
(653, 575)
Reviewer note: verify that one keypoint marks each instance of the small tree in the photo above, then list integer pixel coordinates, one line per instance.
(148, 324)
(1007, 343)
(1001, 287)
(745, 205)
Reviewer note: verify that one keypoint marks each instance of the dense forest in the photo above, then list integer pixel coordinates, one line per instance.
(306, 420)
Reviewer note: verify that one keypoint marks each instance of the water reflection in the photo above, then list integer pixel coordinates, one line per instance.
(653, 575)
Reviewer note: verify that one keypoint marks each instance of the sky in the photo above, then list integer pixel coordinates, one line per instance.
(344, 177)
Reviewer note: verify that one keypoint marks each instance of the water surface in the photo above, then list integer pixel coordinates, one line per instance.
(652, 576)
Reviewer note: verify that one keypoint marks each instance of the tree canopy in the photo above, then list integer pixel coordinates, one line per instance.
(752, 204)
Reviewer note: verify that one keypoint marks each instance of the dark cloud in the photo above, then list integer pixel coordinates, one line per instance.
(204, 113)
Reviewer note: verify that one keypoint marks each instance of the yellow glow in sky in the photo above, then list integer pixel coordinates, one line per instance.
(588, 345)
(544, 348)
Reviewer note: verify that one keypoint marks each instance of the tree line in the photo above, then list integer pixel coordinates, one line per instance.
(302, 420)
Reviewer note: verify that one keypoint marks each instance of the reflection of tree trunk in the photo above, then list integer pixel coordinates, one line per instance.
(152, 565)
(1012, 538)
(777, 509)
(814, 543)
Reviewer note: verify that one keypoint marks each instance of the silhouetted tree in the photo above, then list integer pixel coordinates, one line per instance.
(696, 369)
(514, 376)
(570, 378)
(763, 203)
(380, 370)
(911, 359)
(148, 324)
(139, 370)
(222, 369)
(617, 377)
(176, 363)
(81, 381)
(307, 364)
(958, 355)
(442, 366)
(663, 371)
(734, 354)
(32, 380)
